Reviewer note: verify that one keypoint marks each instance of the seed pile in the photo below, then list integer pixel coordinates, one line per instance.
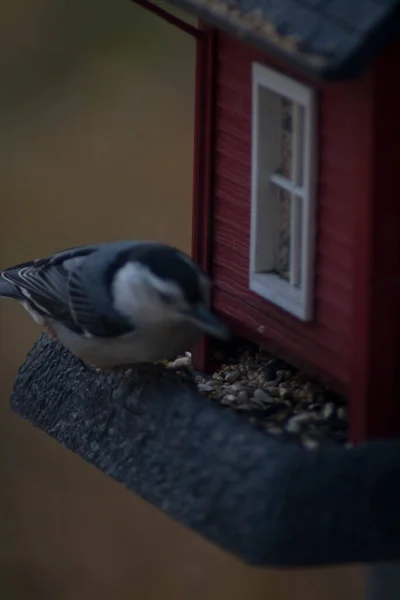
(275, 397)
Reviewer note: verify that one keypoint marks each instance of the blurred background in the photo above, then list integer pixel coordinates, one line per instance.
(96, 112)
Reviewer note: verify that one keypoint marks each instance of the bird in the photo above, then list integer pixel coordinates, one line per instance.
(117, 304)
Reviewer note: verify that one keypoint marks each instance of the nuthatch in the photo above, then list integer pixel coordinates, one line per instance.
(118, 303)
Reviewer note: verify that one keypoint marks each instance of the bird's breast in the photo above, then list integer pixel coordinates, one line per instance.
(140, 346)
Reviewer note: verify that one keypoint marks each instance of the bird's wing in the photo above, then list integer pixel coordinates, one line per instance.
(57, 288)
(42, 284)
(92, 308)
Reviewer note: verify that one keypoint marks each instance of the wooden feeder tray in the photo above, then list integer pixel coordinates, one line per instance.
(267, 500)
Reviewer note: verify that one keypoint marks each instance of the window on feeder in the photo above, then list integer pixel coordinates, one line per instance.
(283, 182)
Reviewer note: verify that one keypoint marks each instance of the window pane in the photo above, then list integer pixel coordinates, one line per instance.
(295, 241)
(286, 157)
(298, 144)
(282, 260)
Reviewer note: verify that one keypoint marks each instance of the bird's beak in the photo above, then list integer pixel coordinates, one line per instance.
(209, 323)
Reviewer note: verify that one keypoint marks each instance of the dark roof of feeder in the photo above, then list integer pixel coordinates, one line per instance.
(333, 39)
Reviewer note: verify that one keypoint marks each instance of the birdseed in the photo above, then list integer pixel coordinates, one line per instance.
(275, 397)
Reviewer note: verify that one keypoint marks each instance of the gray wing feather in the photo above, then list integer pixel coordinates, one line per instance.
(44, 289)
(8, 290)
(42, 284)
(54, 287)
(81, 306)
(91, 307)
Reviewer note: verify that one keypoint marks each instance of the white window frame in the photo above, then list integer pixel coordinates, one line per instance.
(265, 181)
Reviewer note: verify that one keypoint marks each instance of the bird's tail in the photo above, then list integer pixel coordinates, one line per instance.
(7, 290)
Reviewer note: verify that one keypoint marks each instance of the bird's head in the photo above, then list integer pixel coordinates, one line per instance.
(158, 284)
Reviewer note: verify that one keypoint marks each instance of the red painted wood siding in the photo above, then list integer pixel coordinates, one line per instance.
(375, 381)
(325, 344)
(203, 169)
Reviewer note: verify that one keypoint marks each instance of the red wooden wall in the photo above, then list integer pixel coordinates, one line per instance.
(324, 345)
(375, 378)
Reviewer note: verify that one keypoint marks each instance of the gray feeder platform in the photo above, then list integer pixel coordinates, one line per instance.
(268, 501)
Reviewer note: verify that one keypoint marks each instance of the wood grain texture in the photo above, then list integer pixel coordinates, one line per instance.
(323, 345)
(375, 406)
(203, 169)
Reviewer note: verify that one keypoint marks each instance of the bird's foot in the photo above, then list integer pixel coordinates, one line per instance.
(150, 373)
(183, 373)
(162, 372)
